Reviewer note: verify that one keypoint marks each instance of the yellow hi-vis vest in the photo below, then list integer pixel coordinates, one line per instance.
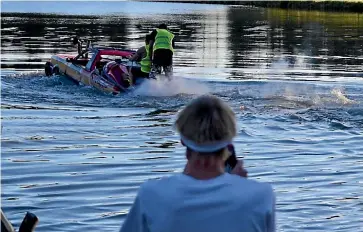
(163, 40)
(146, 62)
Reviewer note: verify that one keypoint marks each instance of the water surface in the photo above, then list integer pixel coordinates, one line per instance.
(75, 157)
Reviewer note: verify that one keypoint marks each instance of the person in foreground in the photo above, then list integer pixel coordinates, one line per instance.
(161, 50)
(204, 198)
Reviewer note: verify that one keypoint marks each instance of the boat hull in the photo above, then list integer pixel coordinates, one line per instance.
(80, 74)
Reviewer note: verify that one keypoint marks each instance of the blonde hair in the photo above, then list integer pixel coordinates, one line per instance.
(206, 120)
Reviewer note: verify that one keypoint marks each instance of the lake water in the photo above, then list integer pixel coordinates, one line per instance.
(75, 157)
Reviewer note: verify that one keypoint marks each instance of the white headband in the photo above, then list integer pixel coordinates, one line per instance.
(211, 147)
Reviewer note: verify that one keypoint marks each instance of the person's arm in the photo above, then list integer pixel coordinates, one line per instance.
(138, 55)
(135, 220)
(131, 76)
(151, 45)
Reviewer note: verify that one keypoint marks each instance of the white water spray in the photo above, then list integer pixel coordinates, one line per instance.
(164, 87)
(341, 97)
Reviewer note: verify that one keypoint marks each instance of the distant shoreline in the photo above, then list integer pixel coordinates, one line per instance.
(45, 15)
(329, 5)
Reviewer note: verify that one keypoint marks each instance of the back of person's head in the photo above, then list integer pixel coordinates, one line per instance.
(163, 26)
(207, 125)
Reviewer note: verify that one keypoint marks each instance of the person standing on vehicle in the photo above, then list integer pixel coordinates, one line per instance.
(204, 197)
(162, 50)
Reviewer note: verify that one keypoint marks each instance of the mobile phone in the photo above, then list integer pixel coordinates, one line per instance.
(231, 162)
(29, 223)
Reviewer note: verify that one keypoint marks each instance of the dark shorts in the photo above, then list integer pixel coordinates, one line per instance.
(163, 57)
(136, 72)
(138, 75)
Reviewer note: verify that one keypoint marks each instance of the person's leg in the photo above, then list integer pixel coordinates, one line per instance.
(162, 61)
(168, 63)
(168, 70)
(156, 68)
(157, 61)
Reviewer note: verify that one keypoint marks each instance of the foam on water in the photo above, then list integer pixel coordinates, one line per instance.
(309, 94)
(341, 97)
(302, 92)
(165, 87)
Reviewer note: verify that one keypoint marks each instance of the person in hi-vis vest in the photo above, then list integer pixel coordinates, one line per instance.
(142, 56)
(161, 50)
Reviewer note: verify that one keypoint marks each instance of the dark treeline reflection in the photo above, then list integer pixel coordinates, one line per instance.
(232, 37)
(319, 33)
(247, 33)
(324, 39)
(37, 34)
(59, 30)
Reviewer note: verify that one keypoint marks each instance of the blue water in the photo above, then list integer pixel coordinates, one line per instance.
(75, 157)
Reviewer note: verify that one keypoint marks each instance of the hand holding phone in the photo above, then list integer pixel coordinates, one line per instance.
(233, 165)
(231, 162)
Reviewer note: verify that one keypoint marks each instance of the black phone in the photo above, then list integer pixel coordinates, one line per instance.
(231, 162)
(29, 223)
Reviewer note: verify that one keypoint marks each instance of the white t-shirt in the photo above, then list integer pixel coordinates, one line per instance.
(180, 203)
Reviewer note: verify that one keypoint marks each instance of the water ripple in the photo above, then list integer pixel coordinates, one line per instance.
(76, 157)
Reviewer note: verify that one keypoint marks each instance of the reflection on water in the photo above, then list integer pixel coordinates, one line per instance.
(235, 42)
(304, 44)
(76, 157)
